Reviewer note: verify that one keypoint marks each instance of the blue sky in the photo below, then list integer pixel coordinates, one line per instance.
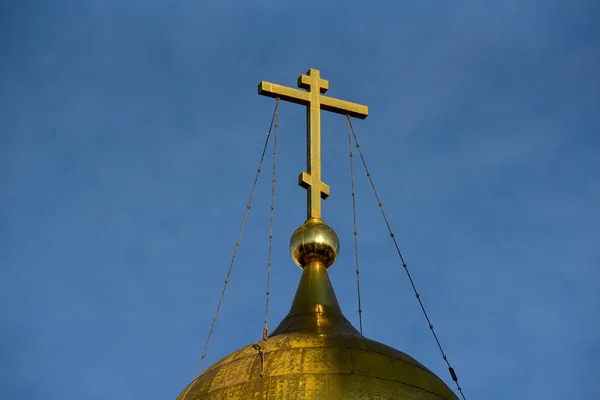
(130, 132)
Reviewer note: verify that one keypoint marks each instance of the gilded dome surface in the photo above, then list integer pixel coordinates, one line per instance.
(315, 353)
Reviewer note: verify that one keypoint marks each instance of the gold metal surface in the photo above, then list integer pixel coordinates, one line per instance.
(299, 367)
(316, 354)
(314, 242)
(314, 101)
(315, 309)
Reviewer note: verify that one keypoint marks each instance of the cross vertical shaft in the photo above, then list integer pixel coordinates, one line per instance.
(316, 189)
(315, 101)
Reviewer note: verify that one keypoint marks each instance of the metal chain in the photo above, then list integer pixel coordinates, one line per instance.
(237, 243)
(355, 230)
(273, 180)
(404, 265)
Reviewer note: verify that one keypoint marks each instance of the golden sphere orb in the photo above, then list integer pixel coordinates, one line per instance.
(314, 241)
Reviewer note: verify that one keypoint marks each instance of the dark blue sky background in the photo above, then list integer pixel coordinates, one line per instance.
(130, 132)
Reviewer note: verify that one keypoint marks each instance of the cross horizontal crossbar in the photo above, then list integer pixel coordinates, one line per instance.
(302, 97)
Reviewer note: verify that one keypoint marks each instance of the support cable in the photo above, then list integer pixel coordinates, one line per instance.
(404, 265)
(273, 180)
(355, 230)
(237, 243)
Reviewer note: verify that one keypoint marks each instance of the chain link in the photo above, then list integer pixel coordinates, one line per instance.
(355, 230)
(273, 180)
(237, 243)
(404, 265)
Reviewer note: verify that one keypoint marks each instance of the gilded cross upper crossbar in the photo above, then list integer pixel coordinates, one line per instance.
(315, 101)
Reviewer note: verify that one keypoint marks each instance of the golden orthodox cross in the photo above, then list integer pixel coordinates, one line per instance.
(314, 101)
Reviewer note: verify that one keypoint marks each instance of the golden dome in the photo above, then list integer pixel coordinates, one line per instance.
(315, 353)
